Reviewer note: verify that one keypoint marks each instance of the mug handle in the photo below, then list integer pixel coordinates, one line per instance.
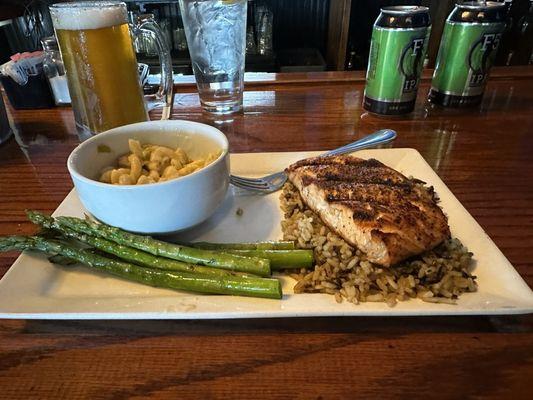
(146, 25)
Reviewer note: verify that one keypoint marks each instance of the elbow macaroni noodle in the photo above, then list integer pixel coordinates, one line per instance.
(149, 163)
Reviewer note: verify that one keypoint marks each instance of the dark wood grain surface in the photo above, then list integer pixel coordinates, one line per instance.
(485, 156)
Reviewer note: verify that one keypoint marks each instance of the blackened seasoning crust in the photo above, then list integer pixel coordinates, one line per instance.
(373, 207)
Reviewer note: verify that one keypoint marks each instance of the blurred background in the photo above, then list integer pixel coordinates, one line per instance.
(282, 36)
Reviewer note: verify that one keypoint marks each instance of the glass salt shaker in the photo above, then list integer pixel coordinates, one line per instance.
(55, 71)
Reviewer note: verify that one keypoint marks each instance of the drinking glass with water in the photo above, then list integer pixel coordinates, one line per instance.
(216, 37)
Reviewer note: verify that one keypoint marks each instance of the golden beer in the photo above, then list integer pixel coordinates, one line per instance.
(101, 67)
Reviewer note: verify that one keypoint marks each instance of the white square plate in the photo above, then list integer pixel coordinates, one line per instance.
(35, 288)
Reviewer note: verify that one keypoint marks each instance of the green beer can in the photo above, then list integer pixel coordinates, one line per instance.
(399, 43)
(467, 50)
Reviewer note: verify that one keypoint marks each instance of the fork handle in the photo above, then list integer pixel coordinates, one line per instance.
(380, 137)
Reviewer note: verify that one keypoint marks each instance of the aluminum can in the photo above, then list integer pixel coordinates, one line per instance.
(399, 42)
(467, 50)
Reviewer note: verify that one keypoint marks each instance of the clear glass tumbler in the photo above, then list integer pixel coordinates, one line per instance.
(216, 37)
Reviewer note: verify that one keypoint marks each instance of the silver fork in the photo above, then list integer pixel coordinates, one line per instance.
(273, 182)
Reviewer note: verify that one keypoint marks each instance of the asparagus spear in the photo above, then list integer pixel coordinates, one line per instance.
(252, 265)
(281, 254)
(61, 260)
(269, 245)
(280, 259)
(127, 253)
(234, 285)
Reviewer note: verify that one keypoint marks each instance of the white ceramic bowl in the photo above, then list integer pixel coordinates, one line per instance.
(163, 207)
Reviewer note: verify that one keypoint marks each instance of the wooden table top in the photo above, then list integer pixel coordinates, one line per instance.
(484, 155)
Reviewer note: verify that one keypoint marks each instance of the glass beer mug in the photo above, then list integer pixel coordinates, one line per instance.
(97, 49)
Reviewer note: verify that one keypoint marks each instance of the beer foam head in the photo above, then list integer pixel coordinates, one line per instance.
(88, 15)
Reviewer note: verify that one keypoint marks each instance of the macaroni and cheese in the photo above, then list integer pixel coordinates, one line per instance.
(149, 163)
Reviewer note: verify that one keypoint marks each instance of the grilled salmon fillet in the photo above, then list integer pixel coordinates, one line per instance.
(371, 206)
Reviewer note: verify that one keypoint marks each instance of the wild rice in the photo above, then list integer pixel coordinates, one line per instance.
(437, 276)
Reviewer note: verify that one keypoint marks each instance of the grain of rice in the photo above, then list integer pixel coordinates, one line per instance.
(375, 297)
(338, 297)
